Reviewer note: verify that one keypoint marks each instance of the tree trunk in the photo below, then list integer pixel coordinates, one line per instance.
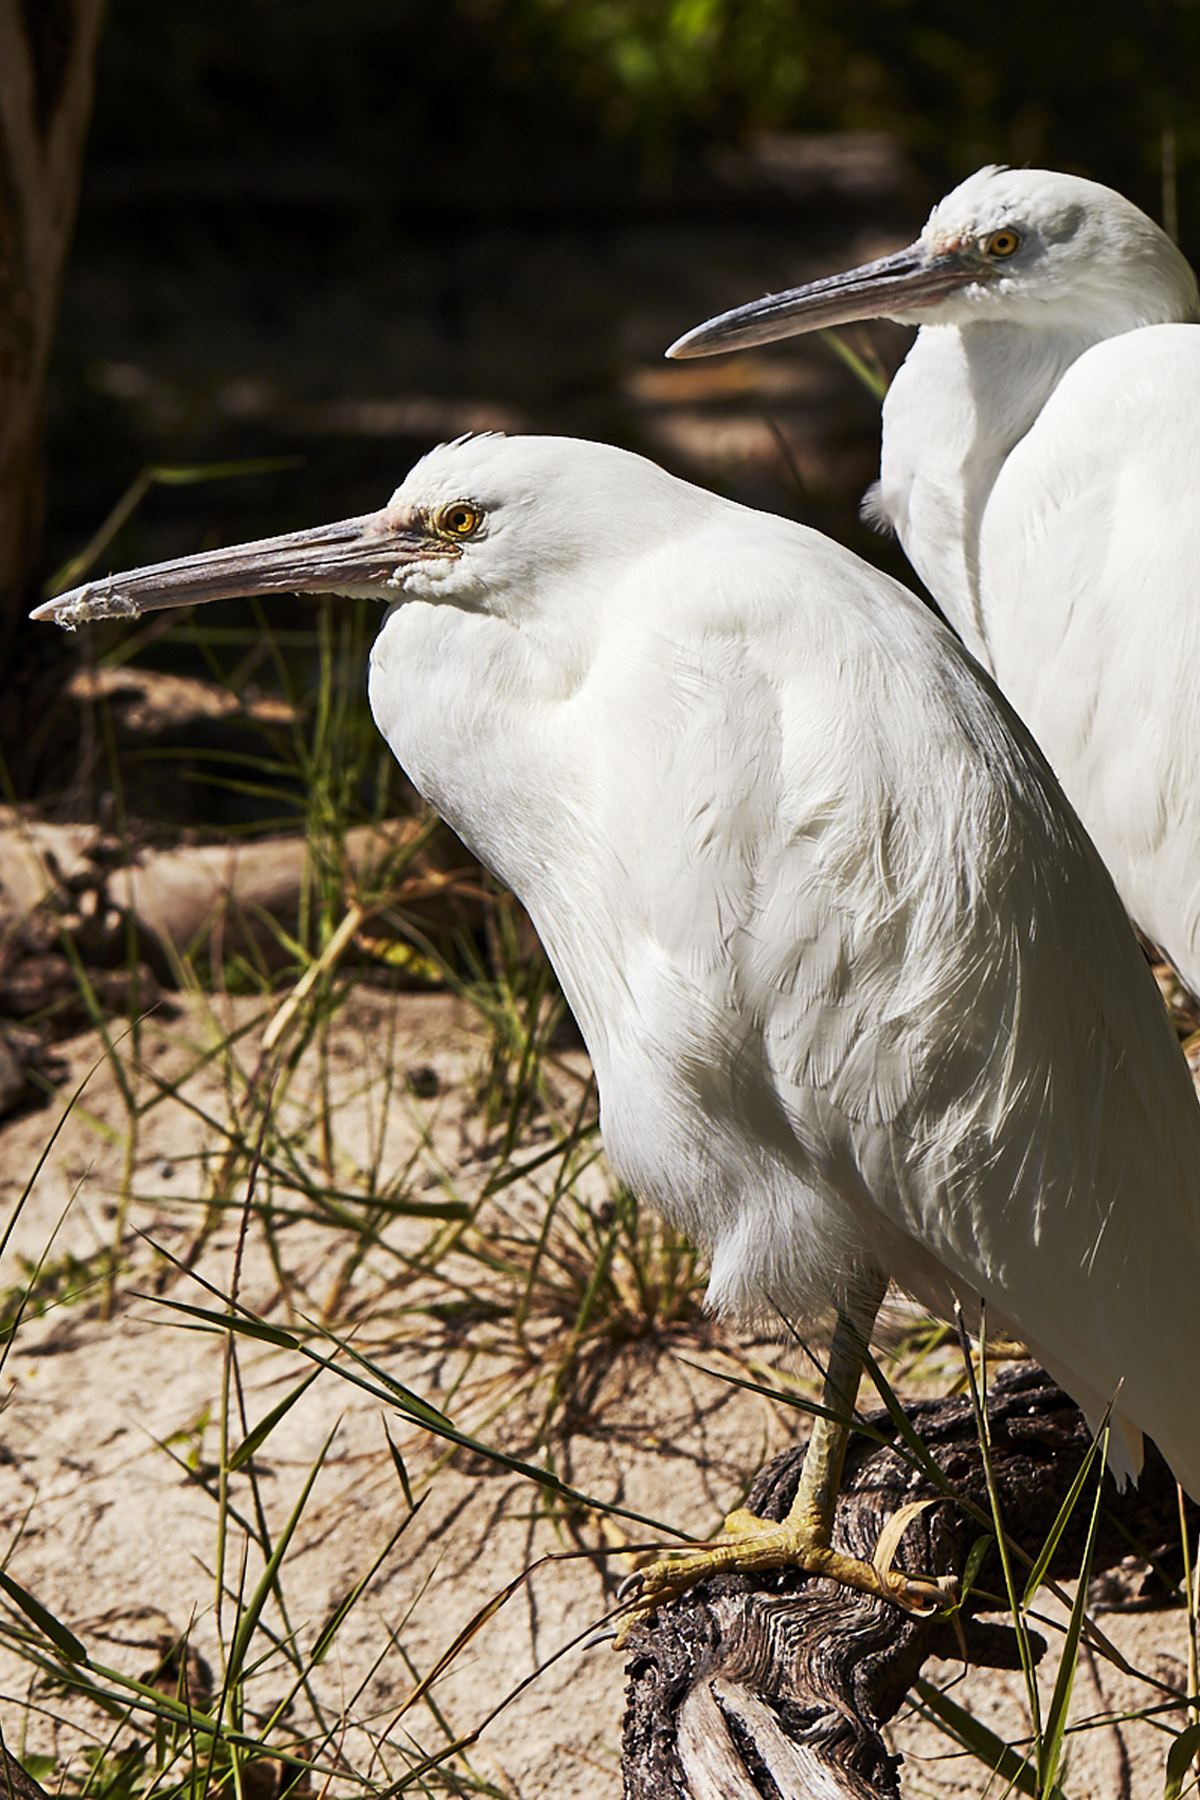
(47, 60)
(779, 1684)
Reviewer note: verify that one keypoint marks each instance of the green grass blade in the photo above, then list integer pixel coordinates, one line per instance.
(1038, 1572)
(907, 1431)
(40, 1164)
(213, 1321)
(64, 1641)
(247, 1624)
(518, 1171)
(1050, 1746)
(9, 1329)
(974, 1563)
(254, 1440)
(166, 476)
(799, 1402)
(858, 366)
(382, 1387)
(1003, 1542)
(974, 1736)
(398, 1465)
(329, 1630)
(1179, 1761)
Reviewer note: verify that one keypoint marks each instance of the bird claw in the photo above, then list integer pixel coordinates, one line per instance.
(754, 1545)
(629, 1584)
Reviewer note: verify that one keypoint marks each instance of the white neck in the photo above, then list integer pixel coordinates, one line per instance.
(963, 398)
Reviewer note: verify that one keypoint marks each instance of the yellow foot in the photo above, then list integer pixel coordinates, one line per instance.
(751, 1544)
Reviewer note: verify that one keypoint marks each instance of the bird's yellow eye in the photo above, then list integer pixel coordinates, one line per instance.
(1002, 243)
(458, 520)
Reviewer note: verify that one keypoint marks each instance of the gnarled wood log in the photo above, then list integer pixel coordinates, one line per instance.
(753, 1688)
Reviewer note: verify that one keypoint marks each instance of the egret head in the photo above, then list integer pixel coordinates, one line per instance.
(1020, 246)
(483, 523)
(509, 521)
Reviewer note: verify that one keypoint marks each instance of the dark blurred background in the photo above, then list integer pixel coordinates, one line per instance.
(335, 232)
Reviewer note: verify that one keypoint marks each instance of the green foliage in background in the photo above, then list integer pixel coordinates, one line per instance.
(396, 88)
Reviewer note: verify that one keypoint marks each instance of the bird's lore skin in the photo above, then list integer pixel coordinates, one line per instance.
(1041, 466)
(860, 997)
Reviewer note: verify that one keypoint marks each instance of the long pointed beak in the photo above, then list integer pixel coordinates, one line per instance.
(886, 289)
(352, 557)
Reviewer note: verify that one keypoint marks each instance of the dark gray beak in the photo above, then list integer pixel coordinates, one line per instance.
(355, 556)
(890, 288)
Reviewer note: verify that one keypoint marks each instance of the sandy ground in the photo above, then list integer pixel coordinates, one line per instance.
(111, 1433)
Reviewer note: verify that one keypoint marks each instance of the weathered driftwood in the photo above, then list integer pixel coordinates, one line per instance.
(233, 890)
(175, 896)
(79, 883)
(776, 1687)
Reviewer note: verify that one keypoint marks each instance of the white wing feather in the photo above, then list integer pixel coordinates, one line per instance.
(1090, 559)
(873, 960)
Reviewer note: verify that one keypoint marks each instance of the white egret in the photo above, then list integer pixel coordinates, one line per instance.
(860, 997)
(1041, 465)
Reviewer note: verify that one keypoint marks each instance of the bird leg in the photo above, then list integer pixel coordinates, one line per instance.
(802, 1540)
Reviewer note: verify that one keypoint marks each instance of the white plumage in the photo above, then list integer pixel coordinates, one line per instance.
(1041, 465)
(859, 995)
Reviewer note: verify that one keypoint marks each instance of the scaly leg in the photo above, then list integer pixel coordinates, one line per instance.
(803, 1540)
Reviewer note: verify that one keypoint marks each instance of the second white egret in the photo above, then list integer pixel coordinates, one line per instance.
(1041, 466)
